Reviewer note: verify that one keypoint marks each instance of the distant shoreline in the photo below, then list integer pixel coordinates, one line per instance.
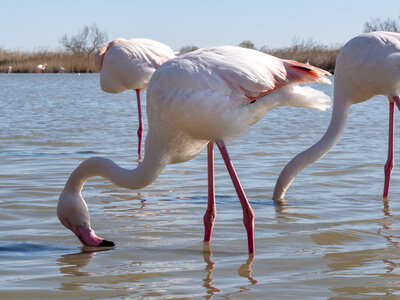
(64, 62)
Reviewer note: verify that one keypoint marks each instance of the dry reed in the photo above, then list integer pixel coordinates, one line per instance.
(26, 62)
(317, 55)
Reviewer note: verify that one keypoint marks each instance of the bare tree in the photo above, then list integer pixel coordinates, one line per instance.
(87, 41)
(376, 24)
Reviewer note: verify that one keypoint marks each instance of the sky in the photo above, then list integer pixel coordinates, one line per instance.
(28, 25)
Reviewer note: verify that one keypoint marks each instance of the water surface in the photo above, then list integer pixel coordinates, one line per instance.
(334, 238)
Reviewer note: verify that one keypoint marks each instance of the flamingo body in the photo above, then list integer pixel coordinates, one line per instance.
(199, 98)
(367, 65)
(209, 94)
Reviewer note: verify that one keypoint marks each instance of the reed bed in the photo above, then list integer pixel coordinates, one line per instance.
(320, 56)
(26, 62)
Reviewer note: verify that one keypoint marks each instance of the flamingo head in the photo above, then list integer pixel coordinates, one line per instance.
(98, 58)
(73, 213)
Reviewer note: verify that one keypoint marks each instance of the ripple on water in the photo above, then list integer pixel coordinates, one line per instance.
(334, 237)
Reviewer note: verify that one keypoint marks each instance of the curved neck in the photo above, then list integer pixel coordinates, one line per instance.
(146, 173)
(329, 139)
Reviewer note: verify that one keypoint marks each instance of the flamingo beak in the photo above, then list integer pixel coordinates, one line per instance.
(88, 237)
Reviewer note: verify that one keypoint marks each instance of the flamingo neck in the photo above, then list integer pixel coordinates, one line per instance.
(340, 110)
(146, 173)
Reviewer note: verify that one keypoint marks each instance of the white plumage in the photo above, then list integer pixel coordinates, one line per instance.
(209, 94)
(196, 99)
(128, 64)
(367, 65)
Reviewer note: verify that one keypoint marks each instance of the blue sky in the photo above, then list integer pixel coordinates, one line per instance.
(31, 25)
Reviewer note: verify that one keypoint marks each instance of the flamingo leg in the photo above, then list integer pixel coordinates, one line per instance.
(141, 127)
(211, 211)
(396, 100)
(390, 159)
(248, 214)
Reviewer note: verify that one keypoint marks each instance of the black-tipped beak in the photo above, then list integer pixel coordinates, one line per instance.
(106, 243)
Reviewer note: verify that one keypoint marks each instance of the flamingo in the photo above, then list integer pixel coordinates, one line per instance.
(198, 99)
(367, 65)
(40, 68)
(9, 69)
(128, 64)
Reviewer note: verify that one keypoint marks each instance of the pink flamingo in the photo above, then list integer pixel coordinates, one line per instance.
(368, 65)
(199, 98)
(128, 65)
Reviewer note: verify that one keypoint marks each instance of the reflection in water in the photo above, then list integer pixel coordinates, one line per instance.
(244, 270)
(328, 239)
(387, 227)
(211, 289)
(71, 265)
(282, 211)
(357, 264)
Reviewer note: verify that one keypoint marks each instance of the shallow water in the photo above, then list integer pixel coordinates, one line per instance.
(334, 238)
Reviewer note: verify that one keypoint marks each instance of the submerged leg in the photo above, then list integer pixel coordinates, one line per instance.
(390, 160)
(248, 214)
(141, 127)
(211, 211)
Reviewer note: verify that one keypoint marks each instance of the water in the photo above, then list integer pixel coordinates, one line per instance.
(334, 238)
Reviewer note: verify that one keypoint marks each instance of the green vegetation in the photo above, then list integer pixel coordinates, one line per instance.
(186, 49)
(247, 44)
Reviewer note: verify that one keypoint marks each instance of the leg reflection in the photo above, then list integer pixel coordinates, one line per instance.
(208, 281)
(387, 226)
(245, 270)
(387, 232)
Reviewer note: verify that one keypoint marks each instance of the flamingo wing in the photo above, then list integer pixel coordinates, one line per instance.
(243, 74)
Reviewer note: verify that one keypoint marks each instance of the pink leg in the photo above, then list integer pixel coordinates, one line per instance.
(390, 160)
(248, 214)
(141, 127)
(211, 211)
(396, 99)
